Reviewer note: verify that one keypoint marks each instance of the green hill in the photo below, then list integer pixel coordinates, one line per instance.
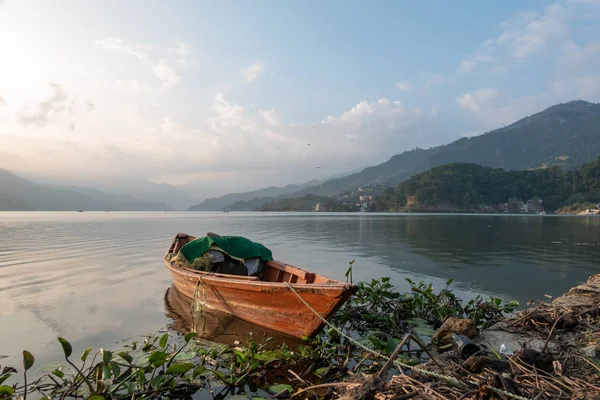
(467, 186)
(307, 203)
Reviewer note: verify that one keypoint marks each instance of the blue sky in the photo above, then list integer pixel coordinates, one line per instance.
(168, 90)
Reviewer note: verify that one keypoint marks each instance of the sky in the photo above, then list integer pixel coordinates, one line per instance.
(238, 95)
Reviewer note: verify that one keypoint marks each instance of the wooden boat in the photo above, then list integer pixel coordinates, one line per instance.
(269, 302)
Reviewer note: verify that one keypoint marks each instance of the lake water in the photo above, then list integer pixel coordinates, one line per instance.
(98, 278)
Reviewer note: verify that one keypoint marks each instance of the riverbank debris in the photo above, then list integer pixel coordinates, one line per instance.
(452, 325)
(555, 345)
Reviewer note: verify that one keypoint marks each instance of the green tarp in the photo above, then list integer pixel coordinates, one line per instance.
(235, 246)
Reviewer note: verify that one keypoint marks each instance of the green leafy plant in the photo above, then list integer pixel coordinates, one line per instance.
(484, 312)
(349, 272)
(167, 366)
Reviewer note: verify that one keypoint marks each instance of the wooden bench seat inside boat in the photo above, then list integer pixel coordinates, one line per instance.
(280, 272)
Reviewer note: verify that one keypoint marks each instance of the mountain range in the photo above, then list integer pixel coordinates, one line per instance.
(246, 200)
(18, 194)
(565, 135)
(221, 202)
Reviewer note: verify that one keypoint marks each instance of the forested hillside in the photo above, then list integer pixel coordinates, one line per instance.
(468, 186)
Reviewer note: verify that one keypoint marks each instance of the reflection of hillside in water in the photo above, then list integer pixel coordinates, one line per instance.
(215, 326)
(502, 254)
(479, 240)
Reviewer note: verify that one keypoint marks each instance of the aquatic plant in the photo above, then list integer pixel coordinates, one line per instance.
(170, 367)
(377, 309)
(178, 366)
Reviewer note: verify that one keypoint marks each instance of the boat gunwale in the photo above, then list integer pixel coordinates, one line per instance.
(258, 284)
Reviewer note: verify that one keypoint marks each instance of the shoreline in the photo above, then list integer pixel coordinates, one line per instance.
(556, 332)
(548, 340)
(424, 211)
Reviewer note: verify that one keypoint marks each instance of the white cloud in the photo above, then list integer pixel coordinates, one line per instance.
(405, 86)
(182, 49)
(588, 86)
(128, 85)
(252, 71)
(226, 116)
(530, 32)
(575, 57)
(167, 126)
(577, 73)
(468, 65)
(585, 87)
(271, 117)
(128, 48)
(167, 75)
(488, 44)
(476, 100)
(133, 114)
(257, 144)
(45, 111)
(434, 79)
(152, 58)
(491, 110)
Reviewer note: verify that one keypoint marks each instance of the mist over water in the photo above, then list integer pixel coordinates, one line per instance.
(98, 278)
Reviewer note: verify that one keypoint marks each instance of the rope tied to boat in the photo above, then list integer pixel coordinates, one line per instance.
(197, 307)
(448, 379)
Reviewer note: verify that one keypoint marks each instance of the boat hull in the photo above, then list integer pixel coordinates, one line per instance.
(272, 305)
(219, 327)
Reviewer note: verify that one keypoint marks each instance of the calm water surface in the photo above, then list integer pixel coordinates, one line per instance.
(98, 278)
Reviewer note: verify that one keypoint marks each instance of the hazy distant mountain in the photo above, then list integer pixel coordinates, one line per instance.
(7, 204)
(20, 194)
(172, 196)
(565, 135)
(257, 198)
(218, 203)
(129, 189)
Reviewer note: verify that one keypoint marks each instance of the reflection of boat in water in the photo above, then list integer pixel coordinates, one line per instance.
(275, 298)
(216, 326)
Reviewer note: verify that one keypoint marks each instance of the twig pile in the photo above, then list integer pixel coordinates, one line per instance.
(525, 381)
(557, 358)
